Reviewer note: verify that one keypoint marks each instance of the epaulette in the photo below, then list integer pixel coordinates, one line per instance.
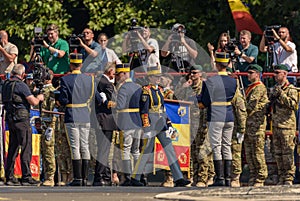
(146, 89)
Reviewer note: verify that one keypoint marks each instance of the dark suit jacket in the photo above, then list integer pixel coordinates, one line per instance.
(104, 114)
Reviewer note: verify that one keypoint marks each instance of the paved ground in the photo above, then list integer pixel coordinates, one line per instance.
(277, 193)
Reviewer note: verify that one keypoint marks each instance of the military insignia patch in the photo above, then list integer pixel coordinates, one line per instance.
(144, 98)
(181, 111)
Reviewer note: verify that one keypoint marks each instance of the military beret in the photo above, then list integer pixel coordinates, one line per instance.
(75, 58)
(222, 57)
(197, 67)
(228, 69)
(255, 67)
(281, 67)
(122, 68)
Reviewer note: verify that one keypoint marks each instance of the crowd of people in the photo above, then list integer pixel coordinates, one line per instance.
(98, 95)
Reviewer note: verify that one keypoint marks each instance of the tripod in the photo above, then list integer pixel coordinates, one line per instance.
(241, 85)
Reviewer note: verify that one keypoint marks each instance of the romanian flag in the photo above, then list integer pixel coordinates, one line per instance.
(35, 160)
(242, 17)
(179, 114)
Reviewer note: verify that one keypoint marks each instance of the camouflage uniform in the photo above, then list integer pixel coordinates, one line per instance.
(240, 116)
(47, 142)
(256, 103)
(202, 168)
(62, 150)
(284, 102)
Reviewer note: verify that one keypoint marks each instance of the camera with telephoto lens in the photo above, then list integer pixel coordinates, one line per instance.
(231, 45)
(74, 41)
(269, 33)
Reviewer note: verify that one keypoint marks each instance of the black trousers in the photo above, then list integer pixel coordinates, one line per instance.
(20, 136)
(102, 169)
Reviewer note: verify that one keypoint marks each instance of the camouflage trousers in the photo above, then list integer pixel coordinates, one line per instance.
(202, 158)
(48, 156)
(255, 155)
(62, 148)
(284, 145)
(236, 150)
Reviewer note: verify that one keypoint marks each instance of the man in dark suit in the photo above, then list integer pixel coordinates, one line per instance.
(106, 121)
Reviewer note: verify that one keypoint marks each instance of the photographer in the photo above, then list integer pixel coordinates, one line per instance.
(183, 50)
(55, 52)
(224, 38)
(246, 54)
(147, 48)
(17, 99)
(90, 50)
(281, 46)
(8, 53)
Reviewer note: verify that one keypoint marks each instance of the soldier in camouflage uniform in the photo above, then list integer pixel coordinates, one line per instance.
(256, 104)
(47, 138)
(284, 103)
(202, 169)
(240, 116)
(63, 151)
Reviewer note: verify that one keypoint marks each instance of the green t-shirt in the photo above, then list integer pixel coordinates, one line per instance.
(57, 65)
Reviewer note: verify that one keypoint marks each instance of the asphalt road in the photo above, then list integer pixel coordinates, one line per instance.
(82, 193)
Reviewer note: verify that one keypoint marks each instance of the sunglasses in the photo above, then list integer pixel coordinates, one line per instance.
(194, 72)
(276, 72)
(251, 72)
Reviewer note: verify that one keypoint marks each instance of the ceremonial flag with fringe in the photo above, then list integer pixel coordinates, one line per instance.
(242, 17)
(179, 114)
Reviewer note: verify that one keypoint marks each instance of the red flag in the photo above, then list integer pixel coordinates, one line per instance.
(242, 17)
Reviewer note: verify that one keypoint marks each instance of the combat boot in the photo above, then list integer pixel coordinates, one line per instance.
(201, 184)
(127, 173)
(168, 180)
(235, 181)
(63, 180)
(210, 181)
(49, 181)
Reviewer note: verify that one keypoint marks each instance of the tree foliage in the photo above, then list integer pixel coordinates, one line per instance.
(204, 20)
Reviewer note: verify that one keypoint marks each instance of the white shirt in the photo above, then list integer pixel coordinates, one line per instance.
(281, 56)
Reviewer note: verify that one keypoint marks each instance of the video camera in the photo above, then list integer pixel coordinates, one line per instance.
(39, 37)
(134, 28)
(231, 45)
(74, 41)
(40, 74)
(269, 33)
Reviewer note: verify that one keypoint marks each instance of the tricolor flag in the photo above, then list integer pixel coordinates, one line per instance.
(35, 160)
(179, 114)
(242, 17)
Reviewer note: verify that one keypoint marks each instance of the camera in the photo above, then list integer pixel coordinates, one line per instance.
(133, 37)
(40, 74)
(269, 33)
(231, 45)
(74, 41)
(177, 31)
(39, 37)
